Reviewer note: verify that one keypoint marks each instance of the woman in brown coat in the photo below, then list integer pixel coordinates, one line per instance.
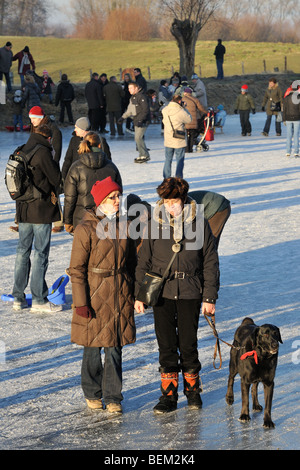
(102, 268)
(195, 108)
(273, 97)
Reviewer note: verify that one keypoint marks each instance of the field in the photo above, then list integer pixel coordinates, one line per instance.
(77, 57)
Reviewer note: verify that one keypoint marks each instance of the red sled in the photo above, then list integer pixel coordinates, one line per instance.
(12, 128)
(210, 135)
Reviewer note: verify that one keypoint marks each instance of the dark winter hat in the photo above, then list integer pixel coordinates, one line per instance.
(83, 123)
(102, 189)
(188, 90)
(26, 49)
(8, 44)
(64, 77)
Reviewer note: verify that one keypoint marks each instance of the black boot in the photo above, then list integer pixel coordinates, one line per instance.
(169, 387)
(192, 390)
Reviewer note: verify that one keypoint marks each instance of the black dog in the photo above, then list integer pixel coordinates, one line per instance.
(254, 356)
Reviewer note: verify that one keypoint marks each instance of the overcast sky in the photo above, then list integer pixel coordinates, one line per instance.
(61, 11)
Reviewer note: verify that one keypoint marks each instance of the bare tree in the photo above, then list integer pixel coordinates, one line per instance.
(189, 17)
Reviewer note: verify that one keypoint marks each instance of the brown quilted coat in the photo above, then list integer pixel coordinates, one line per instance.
(109, 295)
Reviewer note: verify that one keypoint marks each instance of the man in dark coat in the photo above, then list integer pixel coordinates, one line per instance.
(140, 80)
(64, 96)
(113, 93)
(35, 217)
(82, 127)
(6, 56)
(94, 97)
(220, 51)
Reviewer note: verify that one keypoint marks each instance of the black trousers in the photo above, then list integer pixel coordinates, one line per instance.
(95, 118)
(176, 326)
(245, 122)
(65, 105)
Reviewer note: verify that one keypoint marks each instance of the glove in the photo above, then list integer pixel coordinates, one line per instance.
(235, 111)
(253, 111)
(120, 120)
(84, 312)
(69, 228)
(263, 108)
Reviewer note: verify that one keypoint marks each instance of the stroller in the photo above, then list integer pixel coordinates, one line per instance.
(206, 129)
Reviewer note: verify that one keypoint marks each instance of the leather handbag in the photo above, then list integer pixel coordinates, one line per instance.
(177, 134)
(152, 285)
(275, 106)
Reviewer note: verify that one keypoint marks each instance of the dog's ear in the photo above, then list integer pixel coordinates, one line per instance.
(253, 335)
(279, 335)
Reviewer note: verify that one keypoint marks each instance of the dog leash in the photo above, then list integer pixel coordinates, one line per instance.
(217, 345)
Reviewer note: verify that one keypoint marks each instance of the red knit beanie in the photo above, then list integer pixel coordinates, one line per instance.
(36, 112)
(244, 88)
(102, 189)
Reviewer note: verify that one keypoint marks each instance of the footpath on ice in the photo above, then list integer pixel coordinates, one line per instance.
(42, 406)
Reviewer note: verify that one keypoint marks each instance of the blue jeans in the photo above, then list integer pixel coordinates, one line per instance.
(139, 133)
(179, 154)
(18, 119)
(268, 124)
(41, 234)
(102, 382)
(292, 128)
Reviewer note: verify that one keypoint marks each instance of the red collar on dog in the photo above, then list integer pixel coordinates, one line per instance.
(250, 353)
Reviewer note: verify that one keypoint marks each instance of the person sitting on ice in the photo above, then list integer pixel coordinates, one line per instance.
(220, 117)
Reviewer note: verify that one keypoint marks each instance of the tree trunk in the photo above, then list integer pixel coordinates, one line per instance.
(186, 34)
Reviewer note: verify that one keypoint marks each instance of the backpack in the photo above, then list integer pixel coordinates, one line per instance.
(18, 176)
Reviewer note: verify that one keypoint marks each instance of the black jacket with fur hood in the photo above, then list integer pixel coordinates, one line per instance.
(197, 264)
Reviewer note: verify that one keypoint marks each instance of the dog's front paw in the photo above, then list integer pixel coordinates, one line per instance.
(257, 407)
(268, 423)
(229, 399)
(244, 418)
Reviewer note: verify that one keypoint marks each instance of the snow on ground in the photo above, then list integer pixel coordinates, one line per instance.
(42, 405)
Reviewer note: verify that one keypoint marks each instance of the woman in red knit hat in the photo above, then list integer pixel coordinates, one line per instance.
(102, 266)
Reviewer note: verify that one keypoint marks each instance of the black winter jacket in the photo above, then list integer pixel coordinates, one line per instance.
(72, 153)
(141, 116)
(46, 177)
(94, 94)
(90, 167)
(291, 107)
(198, 267)
(64, 93)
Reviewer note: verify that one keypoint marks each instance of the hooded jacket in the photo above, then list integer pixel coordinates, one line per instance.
(176, 116)
(110, 295)
(198, 265)
(91, 167)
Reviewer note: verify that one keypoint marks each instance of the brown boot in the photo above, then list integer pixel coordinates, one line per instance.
(169, 388)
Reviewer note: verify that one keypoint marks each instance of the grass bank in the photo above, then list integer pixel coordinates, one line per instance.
(77, 57)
